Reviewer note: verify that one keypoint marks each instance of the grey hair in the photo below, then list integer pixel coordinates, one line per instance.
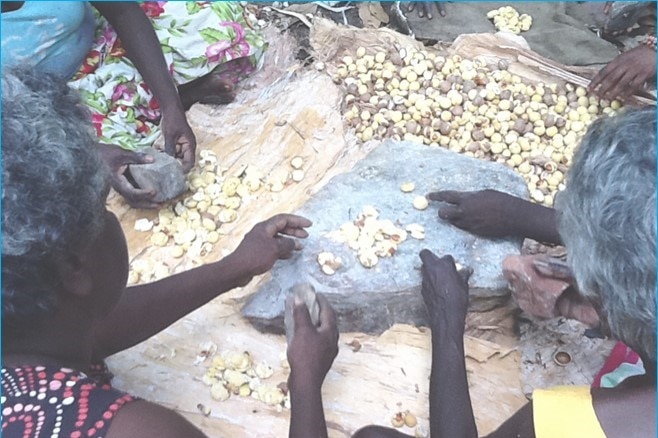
(608, 224)
(54, 187)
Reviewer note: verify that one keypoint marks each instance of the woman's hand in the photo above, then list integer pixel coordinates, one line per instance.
(312, 349)
(425, 8)
(180, 141)
(626, 74)
(485, 213)
(118, 160)
(265, 243)
(570, 303)
(445, 292)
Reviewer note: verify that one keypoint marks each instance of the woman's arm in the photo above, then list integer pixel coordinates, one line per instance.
(145, 310)
(445, 294)
(143, 48)
(311, 353)
(491, 213)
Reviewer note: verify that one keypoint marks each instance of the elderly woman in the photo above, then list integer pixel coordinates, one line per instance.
(64, 272)
(608, 223)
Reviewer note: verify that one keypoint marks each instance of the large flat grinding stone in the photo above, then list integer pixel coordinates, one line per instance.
(371, 300)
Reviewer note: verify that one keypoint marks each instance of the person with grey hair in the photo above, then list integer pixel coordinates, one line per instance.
(490, 213)
(64, 274)
(607, 219)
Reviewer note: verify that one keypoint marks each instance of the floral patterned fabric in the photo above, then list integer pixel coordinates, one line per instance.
(196, 38)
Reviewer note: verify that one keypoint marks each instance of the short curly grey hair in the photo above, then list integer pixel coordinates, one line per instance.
(54, 186)
(608, 224)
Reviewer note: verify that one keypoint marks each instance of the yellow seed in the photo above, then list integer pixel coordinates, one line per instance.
(297, 175)
(516, 160)
(213, 237)
(398, 420)
(407, 187)
(420, 203)
(159, 239)
(177, 252)
(297, 162)
(410, 420)
(496, 148)
(551, 131)
(244, 391)
(524, 167)
(209, 224)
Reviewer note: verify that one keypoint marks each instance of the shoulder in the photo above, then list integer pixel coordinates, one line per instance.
(144, 419)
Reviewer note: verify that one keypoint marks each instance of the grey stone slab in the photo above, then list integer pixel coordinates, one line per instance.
(371, 300)
(165, 175)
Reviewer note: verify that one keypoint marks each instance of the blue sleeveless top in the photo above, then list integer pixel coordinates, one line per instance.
(53, 37)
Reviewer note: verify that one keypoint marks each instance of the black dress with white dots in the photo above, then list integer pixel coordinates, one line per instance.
(56, 402)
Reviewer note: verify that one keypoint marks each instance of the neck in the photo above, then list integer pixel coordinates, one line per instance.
(65, 340)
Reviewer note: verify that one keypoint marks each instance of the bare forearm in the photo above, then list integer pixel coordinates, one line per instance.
(307, 413)
(147, 309)
(143, 48)
(451, 414)
(536, 222)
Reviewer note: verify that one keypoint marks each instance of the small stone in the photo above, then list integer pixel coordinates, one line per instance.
(300, 292)
(165, 175)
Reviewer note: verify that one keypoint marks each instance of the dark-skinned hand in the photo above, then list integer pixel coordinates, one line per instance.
(180, 141)
(425, 8)
(312, 350)
(571, 303)
(445, 292)
(118, 160)
(266, 242)
(485, 213)
(626, 74)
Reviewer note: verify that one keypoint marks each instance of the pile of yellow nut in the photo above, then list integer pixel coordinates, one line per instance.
(235, 373)
(192, 226)
(370, 237)
(470, 107)
(507, 18)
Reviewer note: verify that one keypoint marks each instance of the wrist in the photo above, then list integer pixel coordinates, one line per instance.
(172, 108)
(242, 274)
(303, 382)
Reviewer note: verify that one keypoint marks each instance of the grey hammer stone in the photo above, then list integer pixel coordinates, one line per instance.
(165, 175)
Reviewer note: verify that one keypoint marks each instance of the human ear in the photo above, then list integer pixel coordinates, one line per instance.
(74, 277)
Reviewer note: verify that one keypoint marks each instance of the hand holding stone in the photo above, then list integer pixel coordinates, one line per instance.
(312, 349)
(118, 161)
